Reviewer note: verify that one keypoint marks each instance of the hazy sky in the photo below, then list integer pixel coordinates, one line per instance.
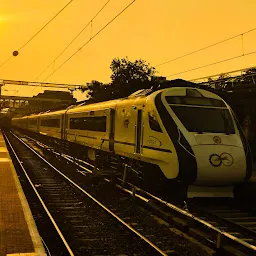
(154, 30)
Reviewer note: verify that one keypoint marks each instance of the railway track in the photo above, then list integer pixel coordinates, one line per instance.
(224, 235)
(116, 227)
(228, 217)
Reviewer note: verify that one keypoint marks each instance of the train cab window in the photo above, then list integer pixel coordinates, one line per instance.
(153, 123)
(53, 122)
(92, 123)
(201, 114)
(199, 101)
(196, 119)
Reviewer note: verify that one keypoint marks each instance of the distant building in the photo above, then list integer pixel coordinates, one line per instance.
(51, 100)
(48, 100)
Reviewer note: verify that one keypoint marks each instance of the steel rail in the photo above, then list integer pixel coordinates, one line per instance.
(219, 232)
(175, 208)
(40, 199)
(96, 201)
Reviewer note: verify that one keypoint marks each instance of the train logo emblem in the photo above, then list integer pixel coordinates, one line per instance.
(217, 139)
(154, 141)
(224, 158)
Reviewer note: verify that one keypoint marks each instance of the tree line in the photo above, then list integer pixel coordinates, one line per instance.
(127, 77)
(226, 82)
(130, 76)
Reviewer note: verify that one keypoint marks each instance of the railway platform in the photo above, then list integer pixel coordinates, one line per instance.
(18, 232)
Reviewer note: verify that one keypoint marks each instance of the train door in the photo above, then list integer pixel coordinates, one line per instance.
(37, 124)
(125, 128)
(112, 130)
(26, 127)
(62, 126)
(138, 132)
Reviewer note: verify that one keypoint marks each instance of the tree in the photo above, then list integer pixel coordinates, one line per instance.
(99, 91)
(249, 76)
(128, 77)
(94, 89)
(210, 84)
(222, 81)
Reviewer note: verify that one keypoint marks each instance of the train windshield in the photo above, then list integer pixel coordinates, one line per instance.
(213, 118)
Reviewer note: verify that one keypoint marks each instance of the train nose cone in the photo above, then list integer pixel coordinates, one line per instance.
(219, 165)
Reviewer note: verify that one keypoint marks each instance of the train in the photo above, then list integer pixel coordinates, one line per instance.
(177, 140)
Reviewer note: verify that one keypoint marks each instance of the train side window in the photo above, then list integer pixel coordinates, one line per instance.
(32, 121)
(51, 122)
(153, 123)
(92, 123)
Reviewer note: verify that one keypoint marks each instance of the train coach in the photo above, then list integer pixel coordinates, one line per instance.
(173, 139)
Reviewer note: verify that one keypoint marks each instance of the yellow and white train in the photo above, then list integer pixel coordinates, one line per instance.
(179, 135)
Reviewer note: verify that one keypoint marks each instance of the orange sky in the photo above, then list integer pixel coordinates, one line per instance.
(154, 30)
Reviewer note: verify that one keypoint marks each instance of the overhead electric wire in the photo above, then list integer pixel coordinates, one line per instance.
(90, 39)
(46, 24)
(5, 61)
(239, 56)
(39, 31)
(90, 22)
(206, 47)
(229, 72)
